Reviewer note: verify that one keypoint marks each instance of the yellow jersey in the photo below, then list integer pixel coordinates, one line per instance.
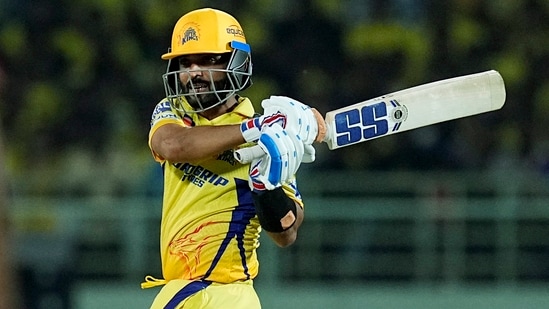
(209, 229)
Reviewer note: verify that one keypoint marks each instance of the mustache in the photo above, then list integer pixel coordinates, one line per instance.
(197, 80)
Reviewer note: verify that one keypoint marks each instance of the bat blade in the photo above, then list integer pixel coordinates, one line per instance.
(415, 107)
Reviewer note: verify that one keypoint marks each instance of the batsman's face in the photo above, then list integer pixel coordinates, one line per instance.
(201, 75)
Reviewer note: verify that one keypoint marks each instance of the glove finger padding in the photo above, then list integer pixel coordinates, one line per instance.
(300, 117)
(309, 154)
(283, 155)
(294, 158)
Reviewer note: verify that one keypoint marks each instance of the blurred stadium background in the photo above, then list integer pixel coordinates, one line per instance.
(454, 215)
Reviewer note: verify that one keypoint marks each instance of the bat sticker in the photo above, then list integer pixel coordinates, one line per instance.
(355, 125)
(399, 114)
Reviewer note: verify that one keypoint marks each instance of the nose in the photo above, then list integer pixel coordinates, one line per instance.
(195, 70)
(191, 72)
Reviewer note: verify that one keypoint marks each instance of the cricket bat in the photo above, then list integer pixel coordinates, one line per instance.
(415, 107)
(409, 109)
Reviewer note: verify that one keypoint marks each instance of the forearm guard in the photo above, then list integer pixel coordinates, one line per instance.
(275, 210)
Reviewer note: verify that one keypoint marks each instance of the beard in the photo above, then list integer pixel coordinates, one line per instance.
(201, 101)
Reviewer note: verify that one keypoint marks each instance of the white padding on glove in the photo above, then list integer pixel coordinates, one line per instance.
(283, 156)
(299, 118)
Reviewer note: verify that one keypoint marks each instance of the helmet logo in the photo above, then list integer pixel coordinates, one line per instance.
(235, 30)
(189, 35)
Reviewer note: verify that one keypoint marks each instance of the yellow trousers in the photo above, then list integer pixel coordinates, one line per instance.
(186, 294)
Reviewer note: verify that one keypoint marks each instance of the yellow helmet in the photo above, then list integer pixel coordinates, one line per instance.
(207, 31)
(204, 31)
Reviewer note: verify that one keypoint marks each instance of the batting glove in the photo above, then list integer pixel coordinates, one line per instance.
(251, 129)
(300, 117)
(283, 156)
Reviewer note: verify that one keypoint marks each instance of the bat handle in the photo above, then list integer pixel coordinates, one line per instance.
(248, 154)
(322, 126)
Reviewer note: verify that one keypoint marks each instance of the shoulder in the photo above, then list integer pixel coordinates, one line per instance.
(163, 109)
(164, 112)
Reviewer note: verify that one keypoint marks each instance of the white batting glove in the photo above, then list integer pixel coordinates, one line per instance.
(251, 129)
(299, 118)
(283, 156)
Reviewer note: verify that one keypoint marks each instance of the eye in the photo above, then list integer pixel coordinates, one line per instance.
(212, 59)
(184, 62)
(206, 60)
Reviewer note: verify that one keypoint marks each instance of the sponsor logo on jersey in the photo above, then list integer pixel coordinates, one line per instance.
(227, 156)
(162, 110)
(198, 175)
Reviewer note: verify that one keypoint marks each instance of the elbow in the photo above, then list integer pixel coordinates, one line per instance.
(275, 210)
(286, 242)
(171, 154)
(284, 239)
(170, 143)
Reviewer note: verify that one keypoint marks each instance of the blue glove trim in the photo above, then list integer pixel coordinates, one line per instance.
(275, 170)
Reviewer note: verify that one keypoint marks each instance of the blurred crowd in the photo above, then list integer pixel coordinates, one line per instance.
(80, 79)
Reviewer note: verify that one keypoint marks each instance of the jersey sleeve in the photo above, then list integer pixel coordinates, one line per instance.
(162, 114)
(292, 192)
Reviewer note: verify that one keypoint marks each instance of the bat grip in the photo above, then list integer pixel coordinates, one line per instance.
(248, 154)
(322, 126)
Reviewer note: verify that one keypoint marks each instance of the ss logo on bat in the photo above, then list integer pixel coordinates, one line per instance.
(368, 122)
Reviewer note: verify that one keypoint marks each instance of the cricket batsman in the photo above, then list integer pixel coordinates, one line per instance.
(214, 207)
